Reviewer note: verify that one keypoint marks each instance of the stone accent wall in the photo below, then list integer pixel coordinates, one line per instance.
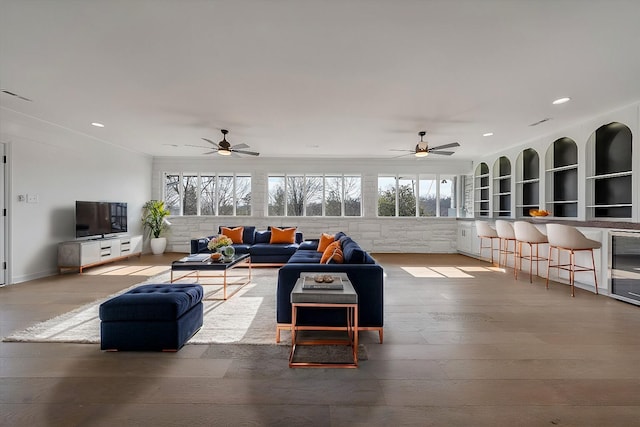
(410, 235)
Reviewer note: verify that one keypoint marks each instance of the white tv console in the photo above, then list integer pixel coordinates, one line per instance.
(80, 254)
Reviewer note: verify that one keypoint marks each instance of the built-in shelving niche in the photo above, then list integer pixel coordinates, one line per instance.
(527, 182)
(562, 178)
(609, 176)
(502, 187)
(481, 191)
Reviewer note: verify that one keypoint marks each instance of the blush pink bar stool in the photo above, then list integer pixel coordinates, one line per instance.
(567, 238)
(506, 235)
(485, 231)
(529, 234)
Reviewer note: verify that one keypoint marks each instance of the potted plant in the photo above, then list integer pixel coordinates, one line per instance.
(155, 222)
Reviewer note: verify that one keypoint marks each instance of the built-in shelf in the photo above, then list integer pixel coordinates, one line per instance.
(481, 190)
(562, 168)
(527, 182)
(562, 178)
(502, 187)
(610, 175)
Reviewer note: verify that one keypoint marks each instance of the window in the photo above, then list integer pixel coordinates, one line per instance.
(276, 196)
(387, 196)
(207, 194)
(428, 195)
(352, 195)
(313, 198)
(172, 193)
(447, 196)
(314, 195)
(407, 196)
(411, 195)
(189, 194)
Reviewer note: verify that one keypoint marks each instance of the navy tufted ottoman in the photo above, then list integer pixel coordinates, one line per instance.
(151, 317)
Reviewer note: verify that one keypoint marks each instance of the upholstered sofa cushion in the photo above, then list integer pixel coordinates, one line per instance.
(306, 256)
(353, 253)
(248, 234)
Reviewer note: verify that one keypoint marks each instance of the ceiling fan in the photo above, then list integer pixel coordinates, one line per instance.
(423, 150)
(224, 148)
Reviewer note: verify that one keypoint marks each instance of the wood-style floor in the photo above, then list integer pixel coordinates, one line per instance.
(464, 346)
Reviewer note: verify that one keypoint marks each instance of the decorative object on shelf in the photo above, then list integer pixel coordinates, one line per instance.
(154, 220)
(215, 256)
(541, 212)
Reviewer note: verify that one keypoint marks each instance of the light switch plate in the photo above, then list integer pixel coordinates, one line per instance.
(32, 198)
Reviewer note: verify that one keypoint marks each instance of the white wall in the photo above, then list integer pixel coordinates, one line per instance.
(60, 167)
(419, 235)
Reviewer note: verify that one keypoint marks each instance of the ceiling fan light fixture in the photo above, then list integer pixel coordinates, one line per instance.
(421, 153)
(224, 152)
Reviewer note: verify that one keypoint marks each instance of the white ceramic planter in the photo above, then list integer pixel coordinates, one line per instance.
(158, 245)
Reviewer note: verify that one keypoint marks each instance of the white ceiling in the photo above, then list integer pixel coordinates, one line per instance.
(300, 78)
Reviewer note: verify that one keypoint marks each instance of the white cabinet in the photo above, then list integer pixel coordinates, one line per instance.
(467, 239)
(80, 254)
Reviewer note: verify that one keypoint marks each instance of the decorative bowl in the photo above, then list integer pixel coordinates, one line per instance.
(216, 256)
(535, 212)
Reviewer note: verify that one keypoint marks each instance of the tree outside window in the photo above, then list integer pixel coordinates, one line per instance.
(333, 195)
(352, 196)
(387, 196)
(313, 197)
(207, 194)
(189, 194)
(407, 196)
(243, 195)
(172, 193)
(276, 196)
(428, 195)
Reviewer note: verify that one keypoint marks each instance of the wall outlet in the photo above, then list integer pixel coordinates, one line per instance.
(32, 198)
(21, 198)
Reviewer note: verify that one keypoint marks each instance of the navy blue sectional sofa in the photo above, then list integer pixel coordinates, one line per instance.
(366, 275)
(256, 243)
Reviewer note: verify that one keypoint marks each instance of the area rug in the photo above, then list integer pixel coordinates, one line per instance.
(248, 317)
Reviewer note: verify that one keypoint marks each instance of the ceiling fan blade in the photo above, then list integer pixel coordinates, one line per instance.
(405, 151)
(443, 153)
(211, 142)
(199, 146)
(453, 144)
(239, 146)
(251, 153)
(211, 152)
(403, 155)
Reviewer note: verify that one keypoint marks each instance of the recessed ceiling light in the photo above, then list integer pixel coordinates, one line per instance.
(561, 101)
(98, 125)
(488, 134)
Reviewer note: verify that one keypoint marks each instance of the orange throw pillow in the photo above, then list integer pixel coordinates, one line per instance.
(325, 240)
(337, 257)
(279, 235)
(328, 252)
(235, 234)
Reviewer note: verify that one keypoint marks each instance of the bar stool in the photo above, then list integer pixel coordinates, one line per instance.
(485, 231)
(506, 235)
(529, 234)
(564, 237)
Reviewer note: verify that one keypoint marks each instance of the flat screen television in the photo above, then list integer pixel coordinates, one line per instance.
(100, 218)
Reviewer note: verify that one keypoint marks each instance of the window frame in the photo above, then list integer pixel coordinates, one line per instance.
(199, 182)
